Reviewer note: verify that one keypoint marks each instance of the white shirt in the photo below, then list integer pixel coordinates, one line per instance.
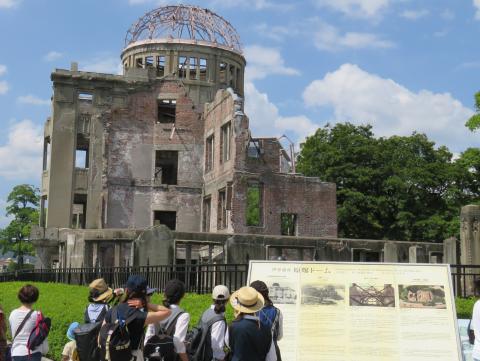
(219, 334)
(179, 335)
(19, 347)
(475, 326)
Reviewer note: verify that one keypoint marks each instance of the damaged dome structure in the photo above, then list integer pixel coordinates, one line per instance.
(158, 165)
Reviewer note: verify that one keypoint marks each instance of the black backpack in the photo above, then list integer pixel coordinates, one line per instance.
(160, 347)
(198, 340)
(114, 339)
(86, 337)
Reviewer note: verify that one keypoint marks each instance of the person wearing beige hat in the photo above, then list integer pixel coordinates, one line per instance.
(250, 340)
(99, 296)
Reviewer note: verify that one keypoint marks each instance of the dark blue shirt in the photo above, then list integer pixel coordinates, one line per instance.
(250, 340)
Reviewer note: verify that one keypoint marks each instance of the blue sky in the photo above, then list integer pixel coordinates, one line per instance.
(400, 65)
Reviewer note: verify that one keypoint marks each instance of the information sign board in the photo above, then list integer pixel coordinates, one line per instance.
(362, 311)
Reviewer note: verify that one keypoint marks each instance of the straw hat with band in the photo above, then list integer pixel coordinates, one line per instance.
(247, 300)
(104, 292)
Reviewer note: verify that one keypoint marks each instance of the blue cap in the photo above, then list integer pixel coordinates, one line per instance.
(72, 327)
(136, 283)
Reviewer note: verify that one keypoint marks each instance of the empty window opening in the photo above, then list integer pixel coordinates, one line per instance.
(290, 253)
(166, 111)
(43, 211)
(182, 67)
(79, 209)
(81, 158)
(365, 255)
(203, 69)
(125, 66)
(288, 224)
(239, 74)
(166, 167)
(254, 149)
(85, 97)
(209, 153)
(207, 210)
(222, 73)
(254, 212)
(222, 209)
(225, 135)
(149, 62)
(139, 62)
(161, 65)
(167, 218)
(46, 153)
(193, 64)
(81, 152)
(232, 76)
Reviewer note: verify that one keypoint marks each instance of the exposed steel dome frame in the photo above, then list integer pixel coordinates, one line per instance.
(187, 23)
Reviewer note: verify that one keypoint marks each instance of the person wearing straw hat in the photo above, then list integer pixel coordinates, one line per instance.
(99, 296)
(250, 340)
(69, 352)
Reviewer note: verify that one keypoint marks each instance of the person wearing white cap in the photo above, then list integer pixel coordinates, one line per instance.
(219, 330)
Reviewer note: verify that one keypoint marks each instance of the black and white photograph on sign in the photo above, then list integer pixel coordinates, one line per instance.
(327, 294)
(282, 294)
(422, 296)
(372, 295)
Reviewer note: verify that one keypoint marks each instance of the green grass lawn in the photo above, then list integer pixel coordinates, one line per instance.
(65, 304)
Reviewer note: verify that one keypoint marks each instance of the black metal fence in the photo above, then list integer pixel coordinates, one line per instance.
(198, 278)
(463, 277)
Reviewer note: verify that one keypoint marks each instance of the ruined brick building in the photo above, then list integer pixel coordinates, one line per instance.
(167, 142)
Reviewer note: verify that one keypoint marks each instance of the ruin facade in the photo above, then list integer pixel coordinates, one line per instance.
(158, 165)
(167, 142)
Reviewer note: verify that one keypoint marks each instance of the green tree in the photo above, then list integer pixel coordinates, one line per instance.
(474, 122)
(23, 203)
(401, 188)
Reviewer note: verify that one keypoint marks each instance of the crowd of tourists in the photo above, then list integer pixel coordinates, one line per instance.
(124, 325)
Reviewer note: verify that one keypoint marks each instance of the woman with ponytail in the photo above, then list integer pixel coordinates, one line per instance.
(215, 316)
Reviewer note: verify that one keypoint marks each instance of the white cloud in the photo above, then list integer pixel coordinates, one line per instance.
(3, 69)
(476, 4)
(414, 14)
(253, 4)
(356, 8)
(22, 154)
(3, 87)
(7, 4)
(264, 61)
(447, 14)
(32, 100)
(52, 56)
(361, 97)
(276, 32)
(329, 38)
(266, 121)
(103, 63)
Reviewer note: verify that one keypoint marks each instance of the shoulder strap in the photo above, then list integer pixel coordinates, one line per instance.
(22, 324)
(275, 321)
(205, 331)
(170, 326)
